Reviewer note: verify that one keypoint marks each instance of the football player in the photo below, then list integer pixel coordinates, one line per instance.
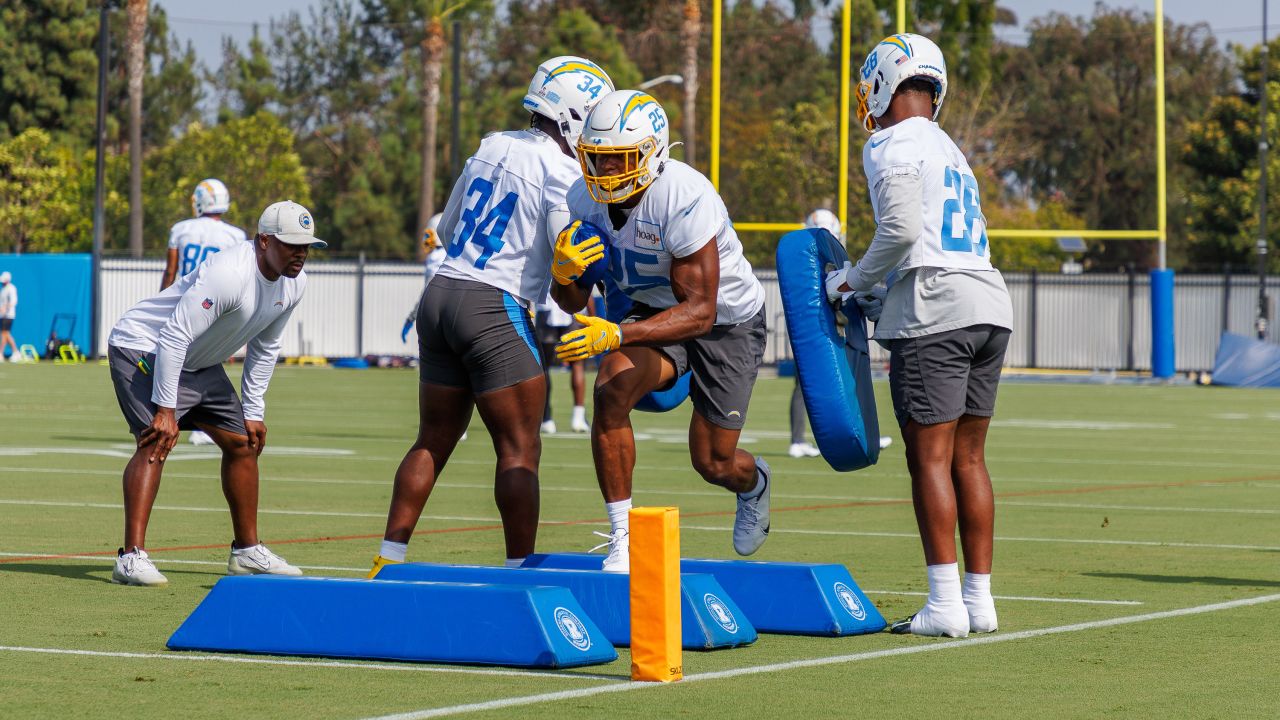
(475, 338)
(435, 258)
(946, 319)
(697, 307)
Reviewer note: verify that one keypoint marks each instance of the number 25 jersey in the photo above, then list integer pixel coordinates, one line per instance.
(954, 233)
(494, 227)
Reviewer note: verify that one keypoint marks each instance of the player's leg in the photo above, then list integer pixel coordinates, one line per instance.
(578, 379)
(130, 374)
(511, 415)
(625, 376)
(799, 446)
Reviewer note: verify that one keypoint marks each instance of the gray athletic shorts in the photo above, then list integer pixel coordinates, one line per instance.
(474, 336)
(204, 396)
(724, 363)
(937, 378)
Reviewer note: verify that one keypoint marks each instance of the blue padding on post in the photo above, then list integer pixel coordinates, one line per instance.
(1162, 341)
(777, 597)
(519, 626)
(617, 304)
(1246, 362)
(834, 371)
(709, 617)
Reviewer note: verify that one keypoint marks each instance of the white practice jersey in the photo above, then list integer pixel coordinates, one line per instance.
(198, 238)
(9, 302)
(494, 227)
(206, 316)
(679, 214)
(432, 264)
(954, 234)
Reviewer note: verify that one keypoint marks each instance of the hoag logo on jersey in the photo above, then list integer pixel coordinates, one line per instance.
(572, 629)
(648, 235)
(720, 612)
(849, 601)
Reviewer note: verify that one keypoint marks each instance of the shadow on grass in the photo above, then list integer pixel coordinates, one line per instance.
(1188, 579)
(93, 573)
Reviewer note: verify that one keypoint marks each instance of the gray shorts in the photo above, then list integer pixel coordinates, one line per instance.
(937, 378)
(724, 363)
(474, 336)
(204, 396)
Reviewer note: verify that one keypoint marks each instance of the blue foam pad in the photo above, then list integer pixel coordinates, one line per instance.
(617, 305)
(834, 370)
(518, 626)
(596, 271)
(1246, 362)
(709, 617)
(777, 597)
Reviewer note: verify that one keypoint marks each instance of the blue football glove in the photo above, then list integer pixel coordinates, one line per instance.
(404, 331)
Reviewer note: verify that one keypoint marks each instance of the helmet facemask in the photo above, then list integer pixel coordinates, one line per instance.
(637, 173)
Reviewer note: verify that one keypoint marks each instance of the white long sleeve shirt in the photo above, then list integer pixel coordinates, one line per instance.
(206, 316)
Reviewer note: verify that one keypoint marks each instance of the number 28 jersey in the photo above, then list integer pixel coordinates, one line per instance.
(494, 227)
(198, 238)
(954, 233)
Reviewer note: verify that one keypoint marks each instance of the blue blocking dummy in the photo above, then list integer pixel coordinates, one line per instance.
(708, 616)
(617, 305)
(517, 626)
(777, 597)
(1246, 362)
(834, 369)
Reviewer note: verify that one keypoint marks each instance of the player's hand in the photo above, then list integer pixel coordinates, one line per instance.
(257, 431)
(429, 240)
(871, 302)
(835, 283)
(569, 261)
(597, 336)
(161, 434)
(404, 331)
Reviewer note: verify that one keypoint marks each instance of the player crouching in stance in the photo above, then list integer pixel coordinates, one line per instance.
(475, 338)
(166, 358)
(946, 320)
(697, 307)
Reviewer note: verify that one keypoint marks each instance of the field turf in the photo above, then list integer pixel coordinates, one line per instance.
(1137, 560)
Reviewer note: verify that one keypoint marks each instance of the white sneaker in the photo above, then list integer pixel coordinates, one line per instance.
(885, 441)
(751, 522)
(982, 615)
(579, 423)
(258, 560)
(799, 450)
(16, 358)
(200, 437)
(464, 436)
(619, 558)
(934, 621)
(135, 568)
(549, 427)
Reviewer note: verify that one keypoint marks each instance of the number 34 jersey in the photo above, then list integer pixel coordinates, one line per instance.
(494, 227)
(198, 238)
(954, 233)
(679, 214)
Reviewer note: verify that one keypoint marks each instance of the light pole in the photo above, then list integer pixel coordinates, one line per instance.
(1260, 324)
(673, 79)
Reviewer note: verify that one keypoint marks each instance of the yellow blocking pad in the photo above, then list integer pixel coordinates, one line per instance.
(655, 595)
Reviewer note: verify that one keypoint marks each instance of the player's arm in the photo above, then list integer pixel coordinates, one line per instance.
(569, 260)
(901, 203)
(259, 363)
(695, 281)
(170, 268)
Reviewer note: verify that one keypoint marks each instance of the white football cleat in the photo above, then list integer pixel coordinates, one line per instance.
(804, 449)
(135, 568)
(982, 615)
(200, 437)
(885, 441)
(579, 423)
(549, 427)
(933, 621)
(258, 560)
(619, 558)
(751, 521)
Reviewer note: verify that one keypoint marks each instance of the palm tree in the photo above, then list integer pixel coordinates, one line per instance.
(689, 34)
(135, 52)
(434, 13)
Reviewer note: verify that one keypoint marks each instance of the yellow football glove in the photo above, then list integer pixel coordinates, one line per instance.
(569, 260)
(597, 337)
(429, 240)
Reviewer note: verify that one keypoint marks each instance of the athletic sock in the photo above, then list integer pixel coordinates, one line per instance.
(394, 550)
(618, 515)
(513, 562)
(579, 414)
(756, 489)
(978, 602)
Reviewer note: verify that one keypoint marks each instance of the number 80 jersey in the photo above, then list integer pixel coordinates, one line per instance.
(494, 227)
(954, 233)
(198, 238)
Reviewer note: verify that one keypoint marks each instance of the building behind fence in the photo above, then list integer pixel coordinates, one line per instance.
(1083, 322)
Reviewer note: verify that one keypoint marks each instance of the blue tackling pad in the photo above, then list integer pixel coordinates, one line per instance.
(1246, 362)
(517, 626)
(834, 371)
(777, 597)
(708, 616)
(617, 304)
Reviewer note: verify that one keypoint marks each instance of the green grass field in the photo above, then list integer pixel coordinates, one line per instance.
(1149, 507)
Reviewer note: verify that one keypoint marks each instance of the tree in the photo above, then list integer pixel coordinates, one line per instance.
(38, 202)
(48, 67)
(135, 54)
(245, 83)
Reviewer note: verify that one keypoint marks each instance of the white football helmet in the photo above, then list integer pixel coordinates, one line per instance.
(894, 59)
(210, 198)
(565, 89)
(824, 219)
(629, 124)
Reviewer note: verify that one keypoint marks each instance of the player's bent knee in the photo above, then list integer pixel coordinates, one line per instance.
(713, 468)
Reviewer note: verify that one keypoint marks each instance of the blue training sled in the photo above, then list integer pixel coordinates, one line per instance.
(709, 618)
(475, 624)
(777, 597)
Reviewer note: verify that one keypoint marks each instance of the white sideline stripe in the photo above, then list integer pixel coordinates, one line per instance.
(820, 662)
(304, 663)
(1078, 601)
(1150, 508)
(183, 508)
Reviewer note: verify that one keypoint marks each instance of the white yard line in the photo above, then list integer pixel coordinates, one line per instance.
(184, 508)
(974, 641)
(1077, 601)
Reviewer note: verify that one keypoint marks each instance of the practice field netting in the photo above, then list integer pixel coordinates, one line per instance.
(1135, 556)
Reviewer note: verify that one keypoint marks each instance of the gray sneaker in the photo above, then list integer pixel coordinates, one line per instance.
(751, 522)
